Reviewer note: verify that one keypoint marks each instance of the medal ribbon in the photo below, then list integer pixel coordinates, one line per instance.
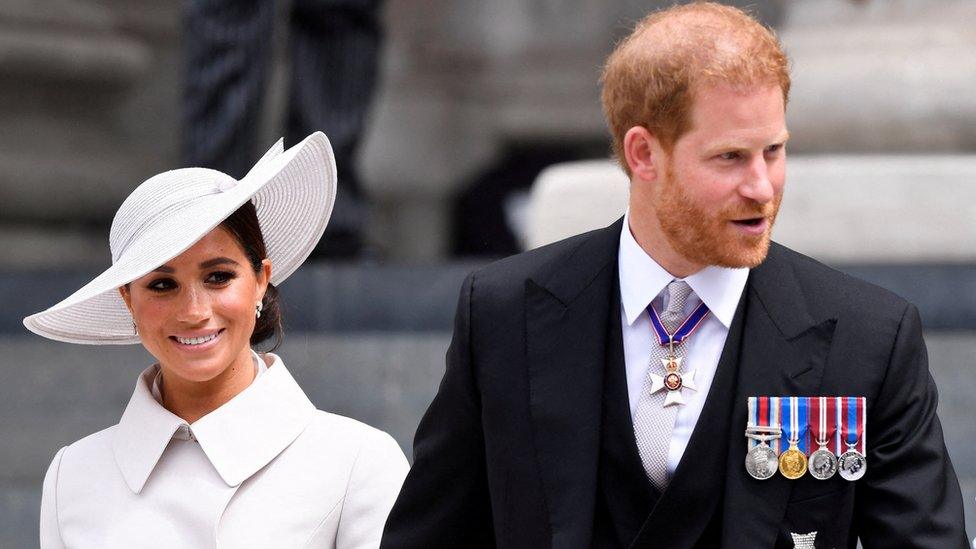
(823, 415)
(686, 329)
(838, 425)
(774, 420)
(798, 412)
(761, 415)
(862, 428)
(805, 443)
(753, 418)
(854, 419)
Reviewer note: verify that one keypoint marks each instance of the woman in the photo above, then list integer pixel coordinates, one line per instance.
(218, 445)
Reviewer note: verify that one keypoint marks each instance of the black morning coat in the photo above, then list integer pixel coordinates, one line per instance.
(528, 442)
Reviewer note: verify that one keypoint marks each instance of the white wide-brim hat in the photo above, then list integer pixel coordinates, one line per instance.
(293, 192)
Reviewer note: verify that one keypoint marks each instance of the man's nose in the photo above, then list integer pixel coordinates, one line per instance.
(195, 306)
(757, 185)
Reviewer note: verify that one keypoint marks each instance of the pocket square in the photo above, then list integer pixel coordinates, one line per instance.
(803, 541)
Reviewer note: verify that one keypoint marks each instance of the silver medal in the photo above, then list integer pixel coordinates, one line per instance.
(761, 462)
(852, 465)
(823, 464)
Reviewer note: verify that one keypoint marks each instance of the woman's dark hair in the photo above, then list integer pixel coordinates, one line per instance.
(244, 227)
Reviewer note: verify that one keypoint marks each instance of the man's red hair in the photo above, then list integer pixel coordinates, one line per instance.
(650, 78)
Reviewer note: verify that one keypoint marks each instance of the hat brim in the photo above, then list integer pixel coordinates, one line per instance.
(293, 192)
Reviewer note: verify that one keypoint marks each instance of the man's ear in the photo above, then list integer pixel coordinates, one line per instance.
(642, 151)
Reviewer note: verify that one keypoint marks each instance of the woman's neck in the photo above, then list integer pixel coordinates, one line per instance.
(191, 400)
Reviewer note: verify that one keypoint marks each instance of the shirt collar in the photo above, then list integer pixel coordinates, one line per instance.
(642, 279)
(239, 438)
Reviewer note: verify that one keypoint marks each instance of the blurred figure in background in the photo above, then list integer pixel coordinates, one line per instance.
(333, 51)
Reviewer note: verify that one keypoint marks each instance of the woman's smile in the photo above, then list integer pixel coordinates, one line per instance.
(202, 341)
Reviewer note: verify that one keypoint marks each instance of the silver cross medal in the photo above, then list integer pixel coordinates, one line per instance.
(673, 379)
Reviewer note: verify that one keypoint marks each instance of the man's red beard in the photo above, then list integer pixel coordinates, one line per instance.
(707, 237)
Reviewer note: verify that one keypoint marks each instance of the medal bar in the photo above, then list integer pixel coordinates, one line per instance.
(822, 435)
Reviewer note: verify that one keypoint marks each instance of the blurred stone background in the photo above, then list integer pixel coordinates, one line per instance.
(476, 98)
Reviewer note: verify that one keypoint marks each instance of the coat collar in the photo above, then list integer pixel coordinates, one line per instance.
(776, 287)
(239, 438)
(567, 309)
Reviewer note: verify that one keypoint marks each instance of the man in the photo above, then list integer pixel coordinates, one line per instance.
(571, 416)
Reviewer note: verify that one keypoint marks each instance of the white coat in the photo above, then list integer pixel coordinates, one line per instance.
(265, 470)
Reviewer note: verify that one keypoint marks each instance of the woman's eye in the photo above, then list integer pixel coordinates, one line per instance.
(161, 285)
(220, 277)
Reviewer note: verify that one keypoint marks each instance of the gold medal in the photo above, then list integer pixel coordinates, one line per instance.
(792, 462)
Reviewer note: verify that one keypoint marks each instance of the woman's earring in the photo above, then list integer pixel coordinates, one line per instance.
(258, 307)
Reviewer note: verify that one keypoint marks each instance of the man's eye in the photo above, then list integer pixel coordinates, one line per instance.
(220, 277)
(161, 285)
(730, 156)
(774, 148)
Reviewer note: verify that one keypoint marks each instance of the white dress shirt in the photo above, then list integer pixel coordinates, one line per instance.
(266, 469)
(643, 281)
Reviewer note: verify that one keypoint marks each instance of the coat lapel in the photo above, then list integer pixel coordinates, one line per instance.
(784, 351)
(567, 312)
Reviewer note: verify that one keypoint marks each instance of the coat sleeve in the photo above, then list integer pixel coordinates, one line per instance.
(910, 495)
(445, 500)
(50, 527)
(373, 486)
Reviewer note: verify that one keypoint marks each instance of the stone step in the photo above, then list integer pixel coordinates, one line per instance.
(73, 42)
(840, 209)
(20, 502)
(37, 247)
(881, 76)
(88, 107)
(77, 189)
(881, 208)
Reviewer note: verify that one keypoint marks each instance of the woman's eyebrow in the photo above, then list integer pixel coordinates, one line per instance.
(217, 261)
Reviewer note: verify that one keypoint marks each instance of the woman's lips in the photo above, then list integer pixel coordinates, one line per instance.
(197, 342)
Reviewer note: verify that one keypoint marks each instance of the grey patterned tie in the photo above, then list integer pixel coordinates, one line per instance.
(653, 422)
